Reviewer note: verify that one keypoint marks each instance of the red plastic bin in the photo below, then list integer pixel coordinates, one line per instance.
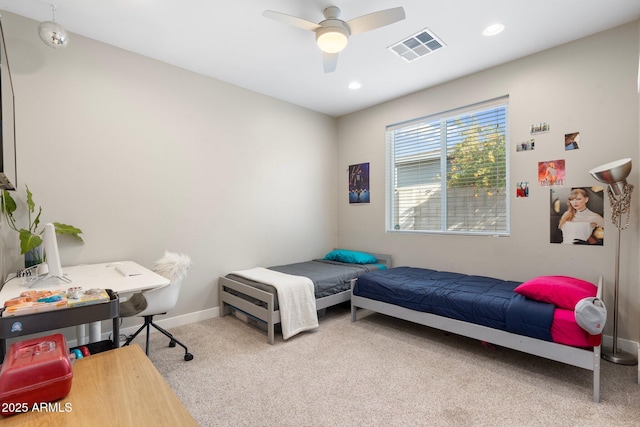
(35, 371)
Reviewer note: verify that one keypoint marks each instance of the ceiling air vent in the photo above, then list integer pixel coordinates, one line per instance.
(418, 45)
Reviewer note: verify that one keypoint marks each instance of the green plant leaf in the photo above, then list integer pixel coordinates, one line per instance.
(30, 204)
(30, 237)
(33, 225)
(68, 229)
(9, 205)
(36, 221)
(28, 241)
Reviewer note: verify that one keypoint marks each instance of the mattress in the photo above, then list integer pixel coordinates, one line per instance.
(565, 330)
(480, 300)
(328, 277)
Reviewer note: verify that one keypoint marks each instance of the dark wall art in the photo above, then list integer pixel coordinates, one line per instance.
(359, 183)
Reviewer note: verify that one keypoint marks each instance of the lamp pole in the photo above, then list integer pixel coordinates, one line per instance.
(618, 356)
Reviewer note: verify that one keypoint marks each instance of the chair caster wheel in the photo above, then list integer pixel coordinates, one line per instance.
(188, 357)
(172, 343)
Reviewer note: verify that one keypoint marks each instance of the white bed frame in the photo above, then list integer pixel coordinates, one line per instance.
(267, 313)
(574, 356)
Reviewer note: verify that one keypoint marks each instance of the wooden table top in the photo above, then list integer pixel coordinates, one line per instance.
(120, 387)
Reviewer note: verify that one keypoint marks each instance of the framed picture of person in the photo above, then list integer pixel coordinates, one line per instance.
(551, 173)
(359, 183)
(576, 215)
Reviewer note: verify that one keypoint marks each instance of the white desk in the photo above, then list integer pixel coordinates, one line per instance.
(88, 276)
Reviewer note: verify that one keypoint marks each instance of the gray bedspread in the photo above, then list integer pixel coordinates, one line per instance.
(328, 277)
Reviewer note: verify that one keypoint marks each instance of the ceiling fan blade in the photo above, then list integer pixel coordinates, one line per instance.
(375, 20)
(291, 20)
(329, 62)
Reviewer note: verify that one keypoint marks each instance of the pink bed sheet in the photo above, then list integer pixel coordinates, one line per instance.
(565, 330)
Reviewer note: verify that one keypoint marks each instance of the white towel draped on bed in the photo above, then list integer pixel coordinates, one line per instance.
(296, 298)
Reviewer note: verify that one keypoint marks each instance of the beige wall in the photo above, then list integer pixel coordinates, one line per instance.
(144, 156)
(587, 86)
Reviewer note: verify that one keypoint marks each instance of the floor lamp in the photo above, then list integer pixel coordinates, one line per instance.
(614, 174)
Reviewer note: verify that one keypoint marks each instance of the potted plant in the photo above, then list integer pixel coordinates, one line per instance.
(30, 240)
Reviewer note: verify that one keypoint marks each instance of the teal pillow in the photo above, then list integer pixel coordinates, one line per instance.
(351, 257)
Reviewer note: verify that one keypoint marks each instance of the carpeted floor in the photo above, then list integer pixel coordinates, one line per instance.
(380, 371)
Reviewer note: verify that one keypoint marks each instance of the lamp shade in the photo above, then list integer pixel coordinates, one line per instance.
(332, 39)
(614, 174)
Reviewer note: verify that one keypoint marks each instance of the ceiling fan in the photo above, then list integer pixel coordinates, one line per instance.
(332, 34)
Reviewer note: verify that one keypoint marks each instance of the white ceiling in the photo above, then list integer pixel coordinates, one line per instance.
(231, 40)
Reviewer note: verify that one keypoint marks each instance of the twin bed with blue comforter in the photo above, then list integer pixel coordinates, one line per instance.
(479, 307)
(476, 299)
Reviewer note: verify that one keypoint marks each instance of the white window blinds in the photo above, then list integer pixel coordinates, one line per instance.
(447, 173)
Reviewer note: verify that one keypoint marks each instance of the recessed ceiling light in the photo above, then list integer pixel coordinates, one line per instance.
(354, 85)
(492, 30)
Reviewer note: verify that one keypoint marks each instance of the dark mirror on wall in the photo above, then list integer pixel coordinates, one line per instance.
(8, 164)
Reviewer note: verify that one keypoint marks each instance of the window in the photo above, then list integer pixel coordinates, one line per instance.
(447, 173)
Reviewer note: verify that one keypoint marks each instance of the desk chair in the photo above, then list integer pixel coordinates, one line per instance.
(160, 300)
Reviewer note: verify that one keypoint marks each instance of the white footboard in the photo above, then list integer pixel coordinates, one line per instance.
(268, 313)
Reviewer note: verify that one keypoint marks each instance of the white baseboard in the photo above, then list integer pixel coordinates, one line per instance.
(628, 346)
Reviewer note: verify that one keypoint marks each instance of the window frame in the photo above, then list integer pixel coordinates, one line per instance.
(393, 218)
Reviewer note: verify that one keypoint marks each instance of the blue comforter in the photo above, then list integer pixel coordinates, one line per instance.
(476, 299)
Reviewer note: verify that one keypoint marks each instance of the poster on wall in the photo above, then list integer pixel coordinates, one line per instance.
(577, 215)
(551, 173)
(359, 183)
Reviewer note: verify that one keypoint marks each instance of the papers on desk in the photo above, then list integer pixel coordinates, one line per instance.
(92, 296)
(30, 302)
(127, 270)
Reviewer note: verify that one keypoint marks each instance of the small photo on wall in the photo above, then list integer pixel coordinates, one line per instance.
(577, 215)
(359, 183)
(526, 145)
(523, 189)
(572, 141)
(551, 173)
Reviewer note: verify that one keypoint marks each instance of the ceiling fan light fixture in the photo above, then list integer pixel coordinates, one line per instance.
(332, 39)
(332, 34)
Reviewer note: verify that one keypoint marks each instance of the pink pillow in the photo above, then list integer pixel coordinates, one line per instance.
(562, 291)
